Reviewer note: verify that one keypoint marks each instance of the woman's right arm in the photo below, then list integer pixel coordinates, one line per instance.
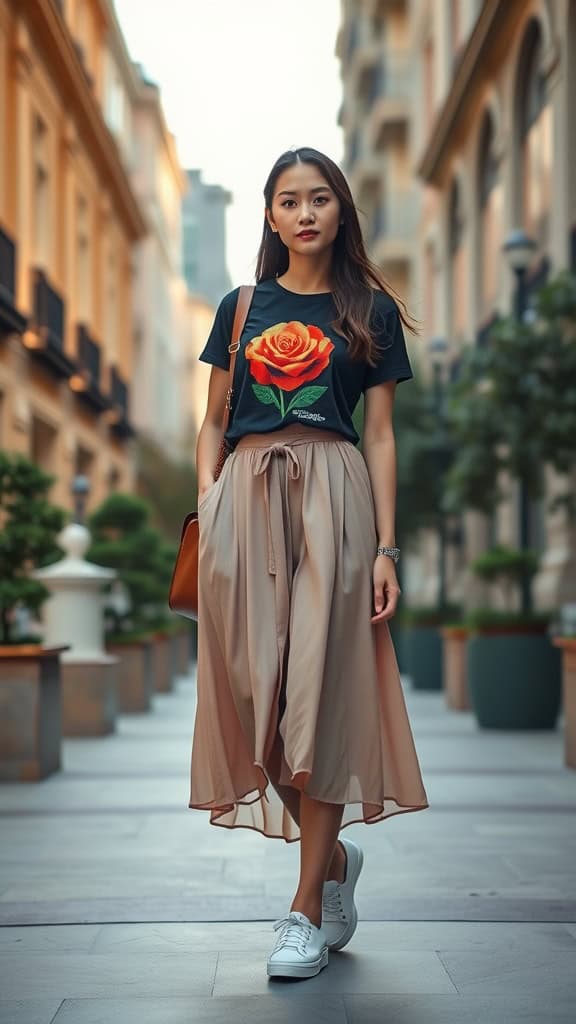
(210, 434)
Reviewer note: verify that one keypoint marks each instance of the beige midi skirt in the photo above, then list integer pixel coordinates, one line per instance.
(289, 664)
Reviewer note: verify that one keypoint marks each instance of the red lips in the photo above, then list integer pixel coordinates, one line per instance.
(307, 234)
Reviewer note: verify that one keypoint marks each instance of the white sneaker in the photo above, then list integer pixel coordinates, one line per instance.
(339, 913)
(300, 950)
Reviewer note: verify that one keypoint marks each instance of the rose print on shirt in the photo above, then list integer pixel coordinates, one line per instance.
(287, 356)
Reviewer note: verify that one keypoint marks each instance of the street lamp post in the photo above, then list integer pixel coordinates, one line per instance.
(519, 249)
(80, 489)
(437, 348)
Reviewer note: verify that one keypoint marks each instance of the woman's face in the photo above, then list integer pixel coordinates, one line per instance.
(305, 210)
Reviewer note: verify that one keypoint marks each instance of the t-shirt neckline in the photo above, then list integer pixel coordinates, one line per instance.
(301, 295)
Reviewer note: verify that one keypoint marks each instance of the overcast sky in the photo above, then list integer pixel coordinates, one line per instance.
(241, 81)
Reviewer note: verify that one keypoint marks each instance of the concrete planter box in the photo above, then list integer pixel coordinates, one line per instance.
(514, 679)
(456, 693)
(567, 645)
(162, 661)
(89, 697)
(423, 656)
(135, 675)
(30, 712)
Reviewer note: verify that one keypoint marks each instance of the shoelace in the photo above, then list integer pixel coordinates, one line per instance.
(293, 934)
(332, 905)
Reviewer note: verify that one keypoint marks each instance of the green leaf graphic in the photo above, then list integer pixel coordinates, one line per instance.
(306, 397)
(265, 395)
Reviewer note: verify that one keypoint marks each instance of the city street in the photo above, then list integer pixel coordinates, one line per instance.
(118, 904)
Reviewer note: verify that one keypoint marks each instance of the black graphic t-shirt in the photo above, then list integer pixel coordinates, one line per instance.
(292, 366)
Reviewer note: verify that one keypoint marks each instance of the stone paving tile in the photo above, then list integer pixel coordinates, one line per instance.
(433, 1009)
(50, 976)
(41, 1011)
(459, 888)
(267, 1009)
(513, 971)
(185, 938)
(405, 971)
(48, 938)
(371, 935)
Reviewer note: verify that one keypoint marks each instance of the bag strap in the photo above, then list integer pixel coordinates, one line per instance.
(245, 295)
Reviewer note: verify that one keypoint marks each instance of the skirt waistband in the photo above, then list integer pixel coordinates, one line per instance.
(296, 433)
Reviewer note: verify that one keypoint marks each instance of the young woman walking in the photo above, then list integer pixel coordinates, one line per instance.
(301, 726)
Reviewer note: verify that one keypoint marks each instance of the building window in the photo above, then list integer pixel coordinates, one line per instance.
(83, 262)
(43, 444)
(490, 217)
(41, 197)
(457, 264)
(534, 119)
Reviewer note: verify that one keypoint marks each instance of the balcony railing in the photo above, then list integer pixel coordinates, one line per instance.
(120, 402)
(7, 266)
(45, 336)
(89, 354)
(10, 319)
(48, 310)
(86, 382)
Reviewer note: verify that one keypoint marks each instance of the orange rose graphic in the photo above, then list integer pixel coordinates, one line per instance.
(288, 355)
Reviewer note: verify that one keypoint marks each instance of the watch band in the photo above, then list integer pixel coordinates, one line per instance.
(393, 553)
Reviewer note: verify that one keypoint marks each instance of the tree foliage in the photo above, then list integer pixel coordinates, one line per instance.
(29, 527)
(513, 408)
(123, 539)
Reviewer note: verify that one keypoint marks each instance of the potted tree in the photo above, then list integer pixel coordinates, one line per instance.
(512, 411)
(513, 670)
(30, 724)
(423, 626)
(123, 539)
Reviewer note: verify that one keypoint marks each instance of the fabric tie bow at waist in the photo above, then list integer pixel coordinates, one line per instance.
(261, 464)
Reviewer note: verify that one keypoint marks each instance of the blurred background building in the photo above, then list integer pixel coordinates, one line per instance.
(99, 330)
(205, 238)
(460, 127)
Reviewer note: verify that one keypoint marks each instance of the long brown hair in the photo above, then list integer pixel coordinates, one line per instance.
(353, 274)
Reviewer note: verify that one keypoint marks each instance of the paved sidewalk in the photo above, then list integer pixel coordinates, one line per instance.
(116, 900)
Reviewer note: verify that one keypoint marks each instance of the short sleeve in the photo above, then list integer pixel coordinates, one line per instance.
(215, 350)
(392, 359)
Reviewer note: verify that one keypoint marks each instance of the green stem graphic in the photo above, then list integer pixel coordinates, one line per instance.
(282, 403)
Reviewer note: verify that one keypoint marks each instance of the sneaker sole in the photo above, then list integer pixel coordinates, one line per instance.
(353, 922)
(287, 970)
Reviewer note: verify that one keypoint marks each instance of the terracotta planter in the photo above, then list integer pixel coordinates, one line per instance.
(162, 661)
(568, 647)
(135, 676)
(454, 662)
(30, 712)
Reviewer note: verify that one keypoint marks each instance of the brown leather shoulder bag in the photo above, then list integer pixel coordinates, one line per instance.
(183, 595)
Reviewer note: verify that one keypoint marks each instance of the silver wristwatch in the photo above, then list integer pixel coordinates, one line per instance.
(394, 553)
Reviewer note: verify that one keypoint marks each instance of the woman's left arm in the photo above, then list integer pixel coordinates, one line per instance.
(379, 448)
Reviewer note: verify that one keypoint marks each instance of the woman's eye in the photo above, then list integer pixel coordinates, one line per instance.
(318, 200)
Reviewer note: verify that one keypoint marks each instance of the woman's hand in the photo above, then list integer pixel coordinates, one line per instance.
(386, 589)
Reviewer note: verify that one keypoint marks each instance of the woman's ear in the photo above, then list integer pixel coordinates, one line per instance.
(270, 221)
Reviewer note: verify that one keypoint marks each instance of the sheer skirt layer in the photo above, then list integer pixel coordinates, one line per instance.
(285, 644)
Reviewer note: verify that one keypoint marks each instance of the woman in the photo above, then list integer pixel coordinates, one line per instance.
(301, 726)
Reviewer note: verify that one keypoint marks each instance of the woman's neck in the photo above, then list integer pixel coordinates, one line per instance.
(307, 275)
